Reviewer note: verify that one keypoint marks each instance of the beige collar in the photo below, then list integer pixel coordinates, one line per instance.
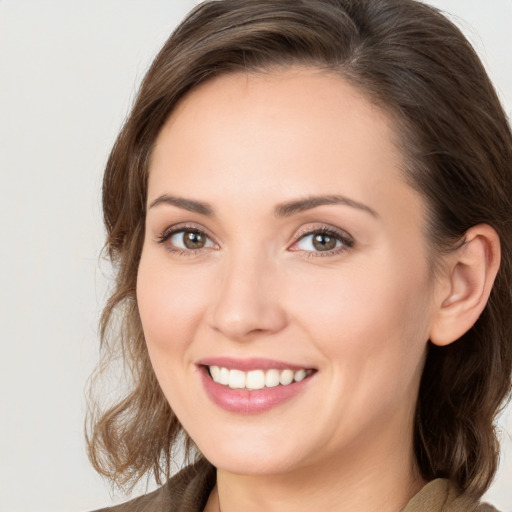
(440, 496)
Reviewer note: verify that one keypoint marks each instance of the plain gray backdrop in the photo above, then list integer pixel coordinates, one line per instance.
(69, 70)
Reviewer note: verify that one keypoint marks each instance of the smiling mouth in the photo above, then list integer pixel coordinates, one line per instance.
(256, 379)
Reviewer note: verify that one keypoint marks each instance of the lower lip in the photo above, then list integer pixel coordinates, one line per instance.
(243, 401)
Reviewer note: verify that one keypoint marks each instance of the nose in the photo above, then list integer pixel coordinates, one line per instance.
(248, 301)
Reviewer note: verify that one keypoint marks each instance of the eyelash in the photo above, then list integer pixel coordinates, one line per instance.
(344, 238)
(167, 234)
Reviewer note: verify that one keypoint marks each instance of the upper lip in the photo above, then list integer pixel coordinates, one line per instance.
(250, 364)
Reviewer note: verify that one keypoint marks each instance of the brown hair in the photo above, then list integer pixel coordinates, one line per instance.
(414, 63)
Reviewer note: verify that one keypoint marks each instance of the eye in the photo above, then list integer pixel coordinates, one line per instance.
(186, 240)
(323, 240)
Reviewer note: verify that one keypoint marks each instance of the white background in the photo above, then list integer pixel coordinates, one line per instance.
(69, 70)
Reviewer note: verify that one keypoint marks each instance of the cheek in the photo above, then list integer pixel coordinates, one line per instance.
(371, 328)
(171, 306)
(370, 317)
(171, 303)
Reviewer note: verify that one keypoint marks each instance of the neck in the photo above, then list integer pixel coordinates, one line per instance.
(367, 480)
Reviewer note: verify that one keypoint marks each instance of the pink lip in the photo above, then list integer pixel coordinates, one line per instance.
(248, 364)
(243, 401)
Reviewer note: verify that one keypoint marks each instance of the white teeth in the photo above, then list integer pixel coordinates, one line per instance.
(224, 377)
(256, 379)
(236, 379)
(286, 377)
(272, 378)
(215, 372)
(300, 375)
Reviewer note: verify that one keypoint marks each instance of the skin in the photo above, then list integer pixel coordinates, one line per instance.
(361, 317)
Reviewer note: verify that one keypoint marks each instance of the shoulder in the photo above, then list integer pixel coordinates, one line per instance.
(464, 503)
(187, 491)
(441, 496)
(485, 507)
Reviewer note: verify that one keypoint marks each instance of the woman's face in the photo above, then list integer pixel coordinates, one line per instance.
(283, 244)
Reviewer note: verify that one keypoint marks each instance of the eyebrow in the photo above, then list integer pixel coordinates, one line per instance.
(289, 208)
(186, 204)
(285, 209)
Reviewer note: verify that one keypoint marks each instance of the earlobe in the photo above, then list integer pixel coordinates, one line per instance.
(470, 275)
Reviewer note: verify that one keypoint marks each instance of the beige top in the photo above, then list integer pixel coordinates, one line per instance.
(188, 491)
(440, 496)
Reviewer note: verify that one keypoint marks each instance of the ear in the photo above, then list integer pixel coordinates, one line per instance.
(466, 285)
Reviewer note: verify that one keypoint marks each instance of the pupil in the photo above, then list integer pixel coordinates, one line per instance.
(324, 242)
(193, 240)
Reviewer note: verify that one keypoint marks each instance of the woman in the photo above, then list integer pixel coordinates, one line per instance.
(308, 210)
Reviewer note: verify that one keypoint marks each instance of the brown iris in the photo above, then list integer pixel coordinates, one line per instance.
(193, 240)
(323, 242)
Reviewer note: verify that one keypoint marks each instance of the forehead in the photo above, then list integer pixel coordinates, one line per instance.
(278, 135)
(299, 101)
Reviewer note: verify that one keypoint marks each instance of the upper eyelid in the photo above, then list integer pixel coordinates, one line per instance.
(323, 228)
(177, 228)
(346, 238)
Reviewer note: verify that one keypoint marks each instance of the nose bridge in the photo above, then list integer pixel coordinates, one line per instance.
(248, 299)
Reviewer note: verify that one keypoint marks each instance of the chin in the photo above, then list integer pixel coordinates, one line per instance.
(251, 464)
(251, 454)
